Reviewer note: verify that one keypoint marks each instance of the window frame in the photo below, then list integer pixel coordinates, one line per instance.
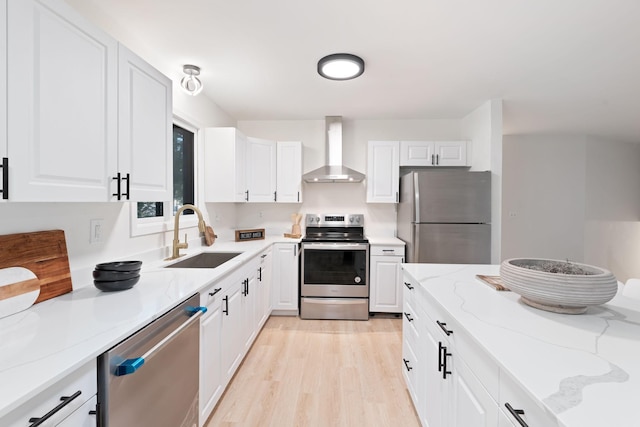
(165, 223)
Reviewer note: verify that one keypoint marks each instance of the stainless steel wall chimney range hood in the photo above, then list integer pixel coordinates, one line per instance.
(334, 171)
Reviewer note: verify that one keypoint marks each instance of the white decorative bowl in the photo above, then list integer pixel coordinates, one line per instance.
(558, 286)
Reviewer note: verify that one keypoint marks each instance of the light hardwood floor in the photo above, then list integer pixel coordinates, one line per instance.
(320, 373)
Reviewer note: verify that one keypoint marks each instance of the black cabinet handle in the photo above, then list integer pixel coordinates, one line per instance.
(127, 193)
(298, 196)
(93, 412)
(440, 364)
(516, 414)
(406, 364)
(443, 326)
(408, 316)
(5, 178)
(263, 256)
(260, 274)
(437, 159)
(215, 291)
(444, 363)
(245, 290)
(432, 159)
(275, 194)
(226, 305)
(246, 196)
(65, 401)
(117, 178)
(408, 285)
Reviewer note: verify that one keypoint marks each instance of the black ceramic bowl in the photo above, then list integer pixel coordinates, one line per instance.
(116, 285)
(111, 275)
(120, 266)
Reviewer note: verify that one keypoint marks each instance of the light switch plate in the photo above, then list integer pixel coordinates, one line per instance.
(95, 232)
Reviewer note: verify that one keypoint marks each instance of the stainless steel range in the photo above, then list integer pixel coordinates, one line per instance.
(334, 281)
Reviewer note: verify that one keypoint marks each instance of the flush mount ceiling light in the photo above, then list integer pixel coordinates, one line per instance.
(190, 83)
(341, 66)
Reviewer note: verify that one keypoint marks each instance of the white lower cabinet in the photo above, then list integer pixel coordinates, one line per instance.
(453, 395)
(463, 385)
(237, 307)
(385, 278)
(66, 403)
(285, 278)
(263, 284)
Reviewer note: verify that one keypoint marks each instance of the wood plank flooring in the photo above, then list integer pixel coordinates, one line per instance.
(320, 373)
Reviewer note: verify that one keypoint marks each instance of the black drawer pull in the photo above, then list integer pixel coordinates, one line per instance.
(443, 326)
(226, 305)
(406, 364)
(215, 291)
(408, 285)
(408, 316)
(5, 178)
(65, 401)
(516, 414)
(440, 364)
(444, 363)
(260, 274)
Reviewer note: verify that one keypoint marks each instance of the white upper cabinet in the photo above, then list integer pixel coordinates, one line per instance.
(3, 105)
(145, 139)
(261, 170)
(289, 172)
(225, 165)
(62, 104)
(433, 153)
(383, 172)
(248, 169)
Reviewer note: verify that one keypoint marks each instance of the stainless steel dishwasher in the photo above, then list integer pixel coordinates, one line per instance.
(151, 378)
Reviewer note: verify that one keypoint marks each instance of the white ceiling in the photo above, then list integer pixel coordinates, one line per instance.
(561, 66)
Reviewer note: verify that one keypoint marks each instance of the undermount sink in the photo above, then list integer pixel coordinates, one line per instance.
(205, 260)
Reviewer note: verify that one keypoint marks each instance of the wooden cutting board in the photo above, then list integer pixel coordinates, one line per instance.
(45, 254)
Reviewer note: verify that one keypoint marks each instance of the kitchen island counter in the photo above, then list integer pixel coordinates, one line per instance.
(581, 370)
(43, 344)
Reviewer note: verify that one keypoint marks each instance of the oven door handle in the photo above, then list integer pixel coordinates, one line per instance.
(336, 246)
(130, 366)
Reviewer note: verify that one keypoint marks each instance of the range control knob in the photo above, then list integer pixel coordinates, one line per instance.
(350, 219)
(317, 219)
(358, 219)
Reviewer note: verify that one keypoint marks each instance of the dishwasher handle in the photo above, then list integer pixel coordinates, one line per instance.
(130, 366)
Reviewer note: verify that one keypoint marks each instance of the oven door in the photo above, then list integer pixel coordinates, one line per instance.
(338, 270)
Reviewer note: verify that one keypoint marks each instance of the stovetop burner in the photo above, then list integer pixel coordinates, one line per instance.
(335, 228)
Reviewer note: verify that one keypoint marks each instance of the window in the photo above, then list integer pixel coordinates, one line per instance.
(148, 217)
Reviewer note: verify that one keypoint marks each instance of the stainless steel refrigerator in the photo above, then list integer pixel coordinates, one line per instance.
(444, 216)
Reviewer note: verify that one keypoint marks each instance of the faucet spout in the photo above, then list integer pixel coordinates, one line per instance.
(175, 253)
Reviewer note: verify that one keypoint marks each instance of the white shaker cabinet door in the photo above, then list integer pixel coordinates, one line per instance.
(145, 142)
(284, 278)
(289, 171)
(62, 104)
(261, 169)
(383, 172)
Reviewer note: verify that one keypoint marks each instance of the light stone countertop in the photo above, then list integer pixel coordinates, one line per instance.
(390, 241)
(43, 344)
(582, 369)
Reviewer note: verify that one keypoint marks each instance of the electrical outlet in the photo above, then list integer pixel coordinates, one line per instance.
(95, 232)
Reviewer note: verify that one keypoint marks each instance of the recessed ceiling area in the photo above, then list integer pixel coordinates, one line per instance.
(568, 66)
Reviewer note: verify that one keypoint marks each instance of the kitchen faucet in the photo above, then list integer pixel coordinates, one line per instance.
(176, 241)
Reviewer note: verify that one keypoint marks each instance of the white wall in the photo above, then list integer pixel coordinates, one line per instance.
(572, 197)
(543, 197)
(612, 207)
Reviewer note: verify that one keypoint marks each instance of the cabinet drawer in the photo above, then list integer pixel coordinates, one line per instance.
(386, 250)
(534, 412)
(81, 383)
(213, 293)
